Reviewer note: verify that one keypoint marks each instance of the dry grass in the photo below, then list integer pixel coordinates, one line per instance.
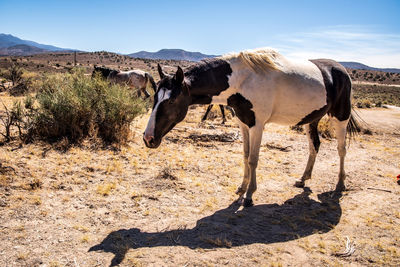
(172, 206)
(105, 189)
(325, 128)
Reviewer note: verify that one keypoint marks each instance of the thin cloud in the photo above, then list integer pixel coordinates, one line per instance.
(344, 43)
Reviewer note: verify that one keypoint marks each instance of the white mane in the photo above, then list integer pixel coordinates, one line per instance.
(260, 59)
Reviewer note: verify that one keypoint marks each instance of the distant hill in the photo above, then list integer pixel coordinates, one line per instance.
(21, 50)
(14, 46)
(175, 54)
(11, 45)
(360, 66)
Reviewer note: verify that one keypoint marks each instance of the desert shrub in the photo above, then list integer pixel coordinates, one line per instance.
(2, 84)
(74, 106)
(376, 93)
(20, 82)
(297, 128)
(364, 103)
(14, 74)
(22, 88)
(12, 118)
(325, 128)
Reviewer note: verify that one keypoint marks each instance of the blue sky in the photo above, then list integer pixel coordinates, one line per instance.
(363, 30)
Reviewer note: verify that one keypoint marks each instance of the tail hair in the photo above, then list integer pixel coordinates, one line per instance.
(353, 127)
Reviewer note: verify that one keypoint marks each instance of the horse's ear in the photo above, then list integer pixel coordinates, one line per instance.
(179, 76)
(160, 71)
(185, 89)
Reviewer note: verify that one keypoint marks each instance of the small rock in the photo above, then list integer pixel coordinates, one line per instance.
(3, 203)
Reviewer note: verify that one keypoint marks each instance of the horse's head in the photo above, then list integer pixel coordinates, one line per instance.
(95, 70)
(171, 103)
(104, 72)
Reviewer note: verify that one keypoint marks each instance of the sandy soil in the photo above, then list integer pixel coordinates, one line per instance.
(174, 206)
(382, 120)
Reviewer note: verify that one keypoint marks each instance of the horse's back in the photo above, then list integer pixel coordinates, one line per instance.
(285, 95)
(136, 72)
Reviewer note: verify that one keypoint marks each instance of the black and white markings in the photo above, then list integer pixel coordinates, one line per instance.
(243, 109)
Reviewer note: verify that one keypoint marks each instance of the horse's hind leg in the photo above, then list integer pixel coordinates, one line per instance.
(144, 90)
(313, 145)
(341, 130)
(223, 113)
(206, 114)
(146, 93)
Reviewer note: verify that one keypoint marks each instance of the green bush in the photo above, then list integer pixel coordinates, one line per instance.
(75, 106)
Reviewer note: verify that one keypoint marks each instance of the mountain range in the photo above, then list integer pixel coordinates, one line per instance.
(360, 66)
(176, 54)
(11, 45)
(14, 46)
(22, 50)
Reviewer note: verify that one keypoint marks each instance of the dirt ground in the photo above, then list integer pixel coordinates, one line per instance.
(174, 206)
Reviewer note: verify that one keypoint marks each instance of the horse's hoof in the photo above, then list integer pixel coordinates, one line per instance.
(239, 191)
(340, 188)
(299, 184)
(240, 200)
(248, 203)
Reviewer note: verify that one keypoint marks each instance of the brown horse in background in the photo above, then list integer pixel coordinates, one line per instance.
(136, 79)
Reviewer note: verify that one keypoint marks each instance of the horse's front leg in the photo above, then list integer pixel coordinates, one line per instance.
(246, 175)
(255, 136)
(146, 93)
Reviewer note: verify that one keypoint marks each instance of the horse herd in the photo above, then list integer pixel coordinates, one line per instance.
(261, 86)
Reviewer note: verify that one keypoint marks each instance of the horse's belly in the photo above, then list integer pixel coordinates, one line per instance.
(294, 103)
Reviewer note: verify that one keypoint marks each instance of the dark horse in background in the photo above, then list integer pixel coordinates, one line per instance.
(221, 107)
(135, 79)
(262, 86)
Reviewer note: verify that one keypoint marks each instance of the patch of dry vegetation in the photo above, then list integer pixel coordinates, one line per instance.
(74, 107)
(368, 95)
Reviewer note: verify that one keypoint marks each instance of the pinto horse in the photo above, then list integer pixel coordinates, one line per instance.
(136, 79)
(262, 87)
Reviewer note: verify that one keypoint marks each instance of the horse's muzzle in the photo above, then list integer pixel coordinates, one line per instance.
(150, 141)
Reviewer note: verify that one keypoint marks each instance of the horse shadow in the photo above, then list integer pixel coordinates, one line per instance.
(297, 217)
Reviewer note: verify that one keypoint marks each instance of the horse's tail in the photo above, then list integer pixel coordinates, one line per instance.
(353, 127)
(153, 84)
